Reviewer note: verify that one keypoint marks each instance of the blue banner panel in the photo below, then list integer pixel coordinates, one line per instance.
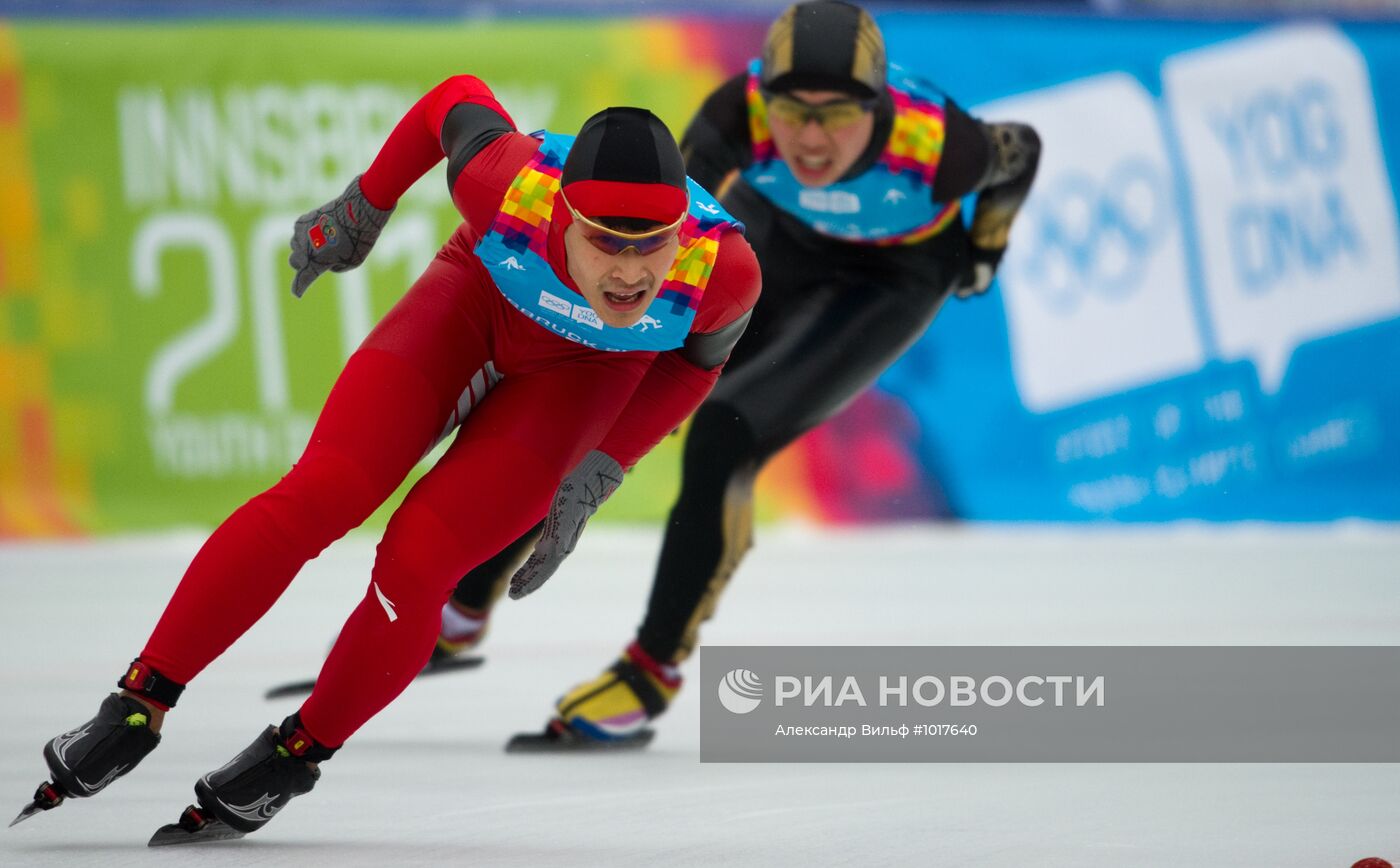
(1199, 313)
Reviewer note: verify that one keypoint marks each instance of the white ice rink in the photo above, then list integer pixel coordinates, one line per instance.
(426, 783)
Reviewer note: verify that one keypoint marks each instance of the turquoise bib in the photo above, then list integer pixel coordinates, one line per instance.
(515, 252)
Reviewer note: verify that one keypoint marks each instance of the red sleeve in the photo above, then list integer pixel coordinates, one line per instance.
(733, 288)
(415, 145)
(667, 395)
(674, 386)
(483, 183)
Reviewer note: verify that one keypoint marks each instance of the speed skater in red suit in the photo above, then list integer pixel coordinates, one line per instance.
(582, 310)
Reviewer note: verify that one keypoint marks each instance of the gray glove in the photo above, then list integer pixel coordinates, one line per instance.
(336, 236)
(578, 497)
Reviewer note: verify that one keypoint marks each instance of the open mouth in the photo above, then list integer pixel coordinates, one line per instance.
(812, 167)
(625, 301)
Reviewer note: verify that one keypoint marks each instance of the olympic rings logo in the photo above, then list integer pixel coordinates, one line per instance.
(1084, 236)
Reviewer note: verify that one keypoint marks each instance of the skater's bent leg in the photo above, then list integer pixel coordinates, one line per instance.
(378, 420)
(809, 365)
(391, 633)
(709, 530)
(493, 484)
(386, 409)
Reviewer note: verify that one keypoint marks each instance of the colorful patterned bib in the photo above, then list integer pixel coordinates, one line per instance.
(515, 252)
(891, 202)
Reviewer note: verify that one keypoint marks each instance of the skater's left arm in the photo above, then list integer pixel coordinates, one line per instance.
(681, 378)
(997, 161)
(675, 384)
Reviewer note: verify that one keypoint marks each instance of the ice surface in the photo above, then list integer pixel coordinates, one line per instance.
(426, 783)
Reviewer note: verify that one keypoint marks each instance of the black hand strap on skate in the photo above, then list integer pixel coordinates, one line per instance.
(632, 675)
(299, 742)
(150, 684)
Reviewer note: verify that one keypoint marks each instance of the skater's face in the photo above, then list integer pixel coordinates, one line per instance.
(619, 267)
(819, 133)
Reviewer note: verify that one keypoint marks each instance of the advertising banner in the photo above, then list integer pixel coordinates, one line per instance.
(155, 370)
(1198, 317)
(1199, 312)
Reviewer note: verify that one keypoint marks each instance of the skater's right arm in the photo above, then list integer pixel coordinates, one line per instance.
(716, 145)
(998, 162)
(459, 119)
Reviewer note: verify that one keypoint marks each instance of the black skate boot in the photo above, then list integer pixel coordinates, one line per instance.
(84, 760)
(246, 793)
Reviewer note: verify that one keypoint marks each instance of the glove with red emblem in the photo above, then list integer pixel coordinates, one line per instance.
(336, 237)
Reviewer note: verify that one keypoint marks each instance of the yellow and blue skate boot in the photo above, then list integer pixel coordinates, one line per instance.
(611, 711)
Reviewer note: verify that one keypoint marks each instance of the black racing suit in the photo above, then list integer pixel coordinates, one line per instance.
(832, 316)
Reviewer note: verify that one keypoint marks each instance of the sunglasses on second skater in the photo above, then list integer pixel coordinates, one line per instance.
(831, 116)
(615, 241)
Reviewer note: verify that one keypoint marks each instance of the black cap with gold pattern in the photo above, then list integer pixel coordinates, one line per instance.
(825, 45)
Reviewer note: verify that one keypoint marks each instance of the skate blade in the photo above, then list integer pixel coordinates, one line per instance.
(29, 811)
(212, 830)
(434, 667)
(48, 797)
(559, 738)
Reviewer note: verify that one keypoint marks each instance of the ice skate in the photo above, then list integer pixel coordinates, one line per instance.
(250, 790)
(611, 712)
(84, 760)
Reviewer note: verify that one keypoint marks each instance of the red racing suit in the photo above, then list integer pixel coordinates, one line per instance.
(528, 405)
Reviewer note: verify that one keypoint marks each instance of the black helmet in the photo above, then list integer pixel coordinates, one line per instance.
(625, 163)
(825, 45)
